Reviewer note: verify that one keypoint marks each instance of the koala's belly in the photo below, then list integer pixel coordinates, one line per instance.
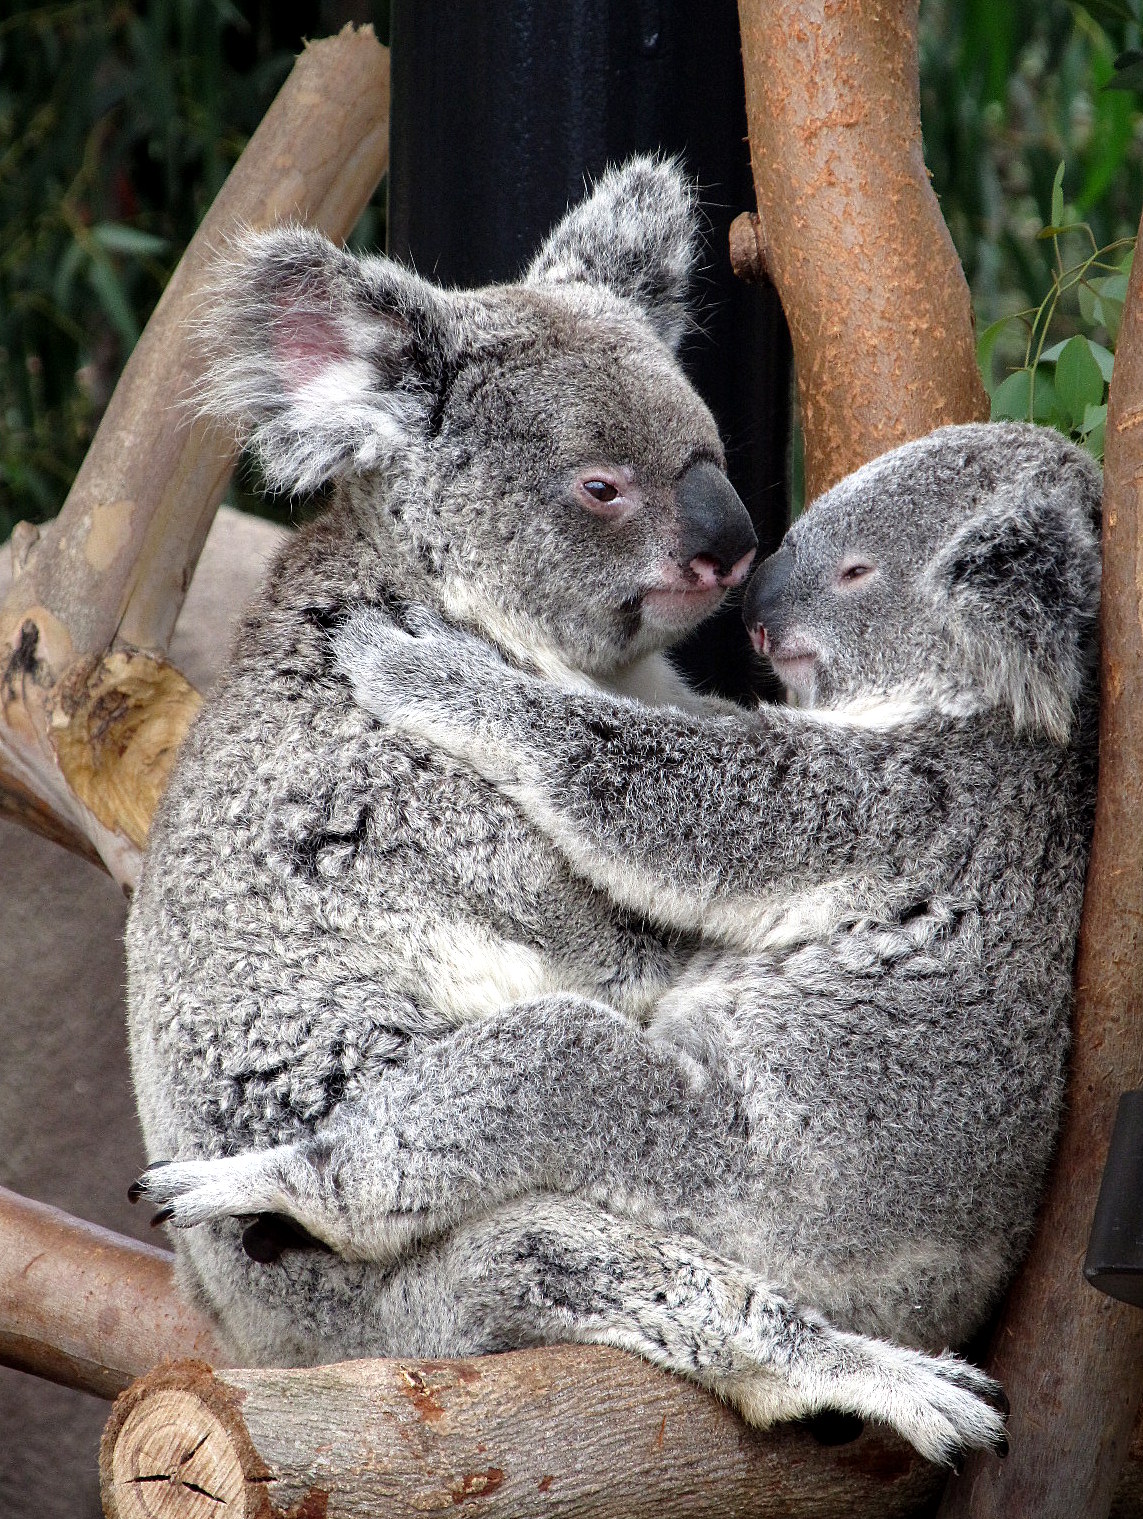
(318, 891)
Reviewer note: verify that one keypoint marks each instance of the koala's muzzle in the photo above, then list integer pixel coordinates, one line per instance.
(718, 539)
(762, 607)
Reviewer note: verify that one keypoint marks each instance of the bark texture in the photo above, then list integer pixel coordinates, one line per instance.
(850, 231)
(86, 1307)
(86, 740)
(566, 1430)
(1070, 1358)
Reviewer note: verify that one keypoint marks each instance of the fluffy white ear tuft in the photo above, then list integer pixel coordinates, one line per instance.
(637, 235)
(323, 363)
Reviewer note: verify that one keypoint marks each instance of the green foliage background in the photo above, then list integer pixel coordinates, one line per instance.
(118, 123)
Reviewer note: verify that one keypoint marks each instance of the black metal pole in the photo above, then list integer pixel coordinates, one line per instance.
(500, 114)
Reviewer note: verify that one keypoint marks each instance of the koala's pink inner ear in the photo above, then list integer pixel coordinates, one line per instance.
(306, 344)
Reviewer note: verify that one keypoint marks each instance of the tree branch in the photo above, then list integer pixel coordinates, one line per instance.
(85, 1307)
(87, 737)
(849, 229)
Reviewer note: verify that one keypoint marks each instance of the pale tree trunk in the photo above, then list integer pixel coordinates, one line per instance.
(88, 731)
(850, 232)
(1070, 1358)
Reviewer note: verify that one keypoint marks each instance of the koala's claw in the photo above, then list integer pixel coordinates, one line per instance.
(190, 1192)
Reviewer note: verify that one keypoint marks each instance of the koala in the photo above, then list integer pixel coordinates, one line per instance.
(471, 948)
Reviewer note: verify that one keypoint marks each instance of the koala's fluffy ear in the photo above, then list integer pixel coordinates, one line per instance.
(321, 361)
(637, 235)
(1020, 584)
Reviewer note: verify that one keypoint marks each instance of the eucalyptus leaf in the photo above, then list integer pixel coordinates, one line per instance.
(1045, 405)
(1089, 303)
(985, 345)
(1078, 382)
(1011, 400)
(1093, 416)
(1058, 197)
(113, 298)
(116, 238)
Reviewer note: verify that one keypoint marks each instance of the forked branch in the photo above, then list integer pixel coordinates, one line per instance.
(87, 735)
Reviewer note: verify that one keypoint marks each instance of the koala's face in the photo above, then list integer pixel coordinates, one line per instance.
(578, 480)
(533, 450)
(961, 567)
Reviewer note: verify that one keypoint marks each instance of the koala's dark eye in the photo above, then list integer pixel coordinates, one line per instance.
(600, 490)
(854, 572)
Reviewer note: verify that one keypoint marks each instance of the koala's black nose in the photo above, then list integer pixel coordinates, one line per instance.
(765, 590)
(718, 538)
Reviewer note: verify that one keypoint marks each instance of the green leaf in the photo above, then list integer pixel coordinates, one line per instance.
(66, 271)
(116, 238)
(113, 299)
(1104, 358)
(1058, 196)
(1093, 417)
(1112, 286)
(985, 344)
(1012, 398)
(1045, 407)
(1079, 380)
(1089, 304)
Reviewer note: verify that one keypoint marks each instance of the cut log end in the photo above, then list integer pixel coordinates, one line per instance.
(176, 1448)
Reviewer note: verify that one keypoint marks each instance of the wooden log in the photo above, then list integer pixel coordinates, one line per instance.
(85, 1307)
(1071, 1359)
(115, 564)
(590, 1432)
(849, 230)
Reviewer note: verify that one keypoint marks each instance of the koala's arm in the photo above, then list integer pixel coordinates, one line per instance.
(699, 821)
(556, 1095)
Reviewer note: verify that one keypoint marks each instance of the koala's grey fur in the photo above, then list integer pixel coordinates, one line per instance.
(731, 1047)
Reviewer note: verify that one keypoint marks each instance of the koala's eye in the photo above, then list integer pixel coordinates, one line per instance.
(600, 490)
(854, 572)
(607, 495)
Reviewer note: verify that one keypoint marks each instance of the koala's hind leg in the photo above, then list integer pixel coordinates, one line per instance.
(549, 1269)
(555, 1095)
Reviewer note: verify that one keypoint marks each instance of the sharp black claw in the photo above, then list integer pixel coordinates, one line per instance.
(161, 1217)
(135, 1191)
(1000, 1402)
(1001, 1447)
(957, 1463)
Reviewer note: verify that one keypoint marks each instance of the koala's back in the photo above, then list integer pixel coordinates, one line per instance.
(319, 890)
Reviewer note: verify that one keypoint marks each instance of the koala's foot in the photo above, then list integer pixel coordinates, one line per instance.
(294, 1195)
(189, 1192)
(943, 1406)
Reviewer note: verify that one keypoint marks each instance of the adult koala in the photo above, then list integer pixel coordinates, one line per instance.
(325, 901)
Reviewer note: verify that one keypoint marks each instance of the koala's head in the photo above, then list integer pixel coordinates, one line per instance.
(531, 452)
(962, 569)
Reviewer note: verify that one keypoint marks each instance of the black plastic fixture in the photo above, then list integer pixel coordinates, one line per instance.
(1114, 1261)
(500, 116)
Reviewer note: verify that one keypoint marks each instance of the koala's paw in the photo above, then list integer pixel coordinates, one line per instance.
(940, 1404)
(428, 680)
(189, 1192)
(943, 1406)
